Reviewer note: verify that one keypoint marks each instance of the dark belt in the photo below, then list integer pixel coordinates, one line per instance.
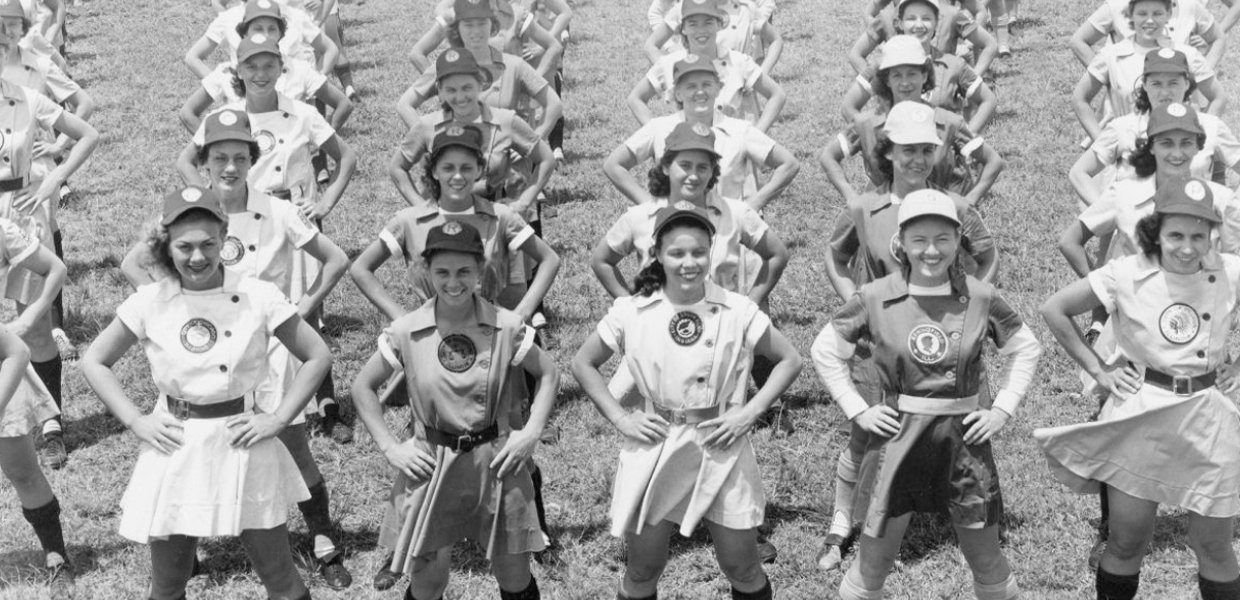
(461, 442)
(12, 185)
(281, 194)
(185, 410)
(686, 416)
(1181, 385)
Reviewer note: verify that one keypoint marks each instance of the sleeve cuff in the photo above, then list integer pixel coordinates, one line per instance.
(521, 238)
(1007, 401)
(852, 404)
(389, 240)
(971, 147)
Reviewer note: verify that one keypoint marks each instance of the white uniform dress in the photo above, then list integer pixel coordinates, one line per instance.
(1180, 450)
(31, 403)
(207, 347)
(737, 72)
(684, 358)
(297, 43)
(299, 80)
(1118, 140)
(23, 113)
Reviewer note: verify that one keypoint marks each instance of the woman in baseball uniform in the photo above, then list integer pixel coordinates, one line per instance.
(266, 235)
(864, 247)
(686, 457)
(303, 39)
(514, 28)
(1168, 431)
(940, 25)
(747, 93)
(1190, 23)
(465, 473)
(209, 463)
(747, 29)
(926, 325)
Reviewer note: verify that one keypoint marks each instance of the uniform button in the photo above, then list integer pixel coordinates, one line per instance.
(950, 374)
(223, 368)
(227, 333)
(257, 217)
(278, 169)
(236, 299)
(7, 130)
(701, 380)
(285, 115)
(1201, 354)
(6, 159)
(964, 300)
(1205, 316)
(280, 141)
(486, 333)
(251, 247)
(955, 335)
(12, 103)
(714, 310)
(479, 398)
(484, 363)
(1210, 279)
(710, 343)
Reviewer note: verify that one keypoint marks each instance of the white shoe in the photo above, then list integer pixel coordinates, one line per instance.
(559, 155)
(64, 345)
(351, 92)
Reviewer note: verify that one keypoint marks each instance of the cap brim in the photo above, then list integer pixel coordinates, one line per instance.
(914, 138)
(931, 213)
(176, 214)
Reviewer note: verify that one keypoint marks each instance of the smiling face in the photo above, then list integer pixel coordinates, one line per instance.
(259, 73)
(1183, 241)
(930, 244)
(919, 21)
(684, 252)
(12, 29)
(475, 33)
(1164, 88)
(697, 92)
(690, 174)
(906, 82)
(460, 93)
(1173, 154)
(454, 276)
(700, 31)
(911, 163)
(1149, 21)
(456, 171)
(228, 164)
(267, 26)
(194, 244)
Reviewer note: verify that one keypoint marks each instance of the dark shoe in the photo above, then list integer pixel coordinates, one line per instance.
(385, 579)
(779, 420)
(337, 429)
(335, 573)
(60, 580)
(54, 455)
(767, 551)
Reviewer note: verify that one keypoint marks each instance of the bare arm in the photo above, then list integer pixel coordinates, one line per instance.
(335, 263)
(419, 55)
(860, 50)
(653, 46)
(831, 158)
(1082, 174)
(187, 166)
(784, 167)
(774, 256)
(641, 94)
(985, 47)
(399, 171)
(616, 167)
(1072, 246)
(340, 104)
(775, 98)
(548, 265)
(407, 105)
(605, 263)
(363, 273)
(346, 164)
(984, 102)
(992, 165)
(1082, 42)
(774, 42)
(196, 56)
(1082, 95)
(854, 100)
(191, 112)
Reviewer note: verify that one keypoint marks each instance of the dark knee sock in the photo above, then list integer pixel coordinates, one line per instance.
(172, 565)
(763, 594)
(1104, 523)
(58, 303)
(621, 596)
(1116, 587)
(529, 593)
(46, 523)
(316, 511)
(1218, 590)
(344, 72)
(409, 595)
(536, 475)
(49, 373)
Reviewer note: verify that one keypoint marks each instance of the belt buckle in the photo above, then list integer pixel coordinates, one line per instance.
(679, 416)
(1182, 385)
(179, 409)
(464, 443)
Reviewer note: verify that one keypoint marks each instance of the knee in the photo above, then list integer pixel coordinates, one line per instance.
(429, 573)
(1125, 546)
(742, 571)
(24, 477)
(1213, 549)
(644, 569)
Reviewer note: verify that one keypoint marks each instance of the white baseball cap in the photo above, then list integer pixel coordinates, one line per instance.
(927, 202)
(902, 50)
(911, 122)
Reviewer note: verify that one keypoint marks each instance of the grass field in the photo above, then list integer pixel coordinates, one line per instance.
(128, 55)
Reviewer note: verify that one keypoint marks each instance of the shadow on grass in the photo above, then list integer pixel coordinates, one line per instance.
(91, 430)
(83, 326)
(26, 564)
(338, 325)
(77, 267)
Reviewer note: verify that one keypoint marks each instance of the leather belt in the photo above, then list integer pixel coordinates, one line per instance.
(686, 416)
(461, 442)
(1181, 385)
(186, 410)
(12, 185)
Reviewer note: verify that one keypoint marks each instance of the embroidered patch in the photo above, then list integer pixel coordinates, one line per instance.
(1176, 109)
(198, 335)
(265, 140)
(228, 117)
(685, 328)
(684, 205)
(455, 129)
(920, 114)
(701, 129)
(1179, 323)
(451, 228)
(691, 58)
(258, 38)
(232, 252)
(1195, 190)
(927, 343)
(1166, 53)
(191, 194)
(264, 4)
(451, 56)
(457, 353)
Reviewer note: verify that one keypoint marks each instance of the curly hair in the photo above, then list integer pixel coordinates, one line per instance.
(1142, 159)
(158, 240)
(428, 168)
(652, 277)
(1148, 229)
(238, 86)
(453, 32)
(883, 90)
(881, 150)
(281, 24)
(1141, 100)
(660, 185)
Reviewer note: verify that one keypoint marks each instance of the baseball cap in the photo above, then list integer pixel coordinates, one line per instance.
(257, 44)
(472, 9)
(227, 125)
(458, 61)
(701, 7)
(681, 210)
(466, 136)
(926, 202)
(692, 63)
(902, 50)
(911, 122)
(453, 236)
(1173, 117)
(191, 197)
(260, 8)
(1166, 60)
(696, 136)
(931, 3)
(1189, 197)
(13, 8)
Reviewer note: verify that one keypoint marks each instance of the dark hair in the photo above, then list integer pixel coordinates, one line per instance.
(652, 277)
(428, 169)
(158, 240)
(660, 185)
(238, 86)
(205, 150)
(883, 90)
(1148, 229)
(881, 149)
(281, 24)
(1142, 159)
(453, 32)
(965, 249)
(1141, 100)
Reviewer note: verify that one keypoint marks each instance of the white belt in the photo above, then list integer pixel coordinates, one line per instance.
(937, 406)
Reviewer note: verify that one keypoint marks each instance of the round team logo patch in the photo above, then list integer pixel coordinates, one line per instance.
(258, 38)
(685, 328)
(451, 56)
(920, 116)
(895, 247)
(198, 335)
(1195, 190)
(684, 205)
(1176, 109)
(265, 140)
(1179, 323)
(691, 58)
(928, 344)
(701, 129)
(457, 353)
(455, 129)
(191, 195)
(451, 228)
(232, 252)
(228, 117)
(264, 4)
(1167, 53)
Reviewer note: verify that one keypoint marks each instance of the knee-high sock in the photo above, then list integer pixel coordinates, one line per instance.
(317, 513)
(1218, 590)
(1116, 587)
(46, 523)
(529, 593)
(846, 469)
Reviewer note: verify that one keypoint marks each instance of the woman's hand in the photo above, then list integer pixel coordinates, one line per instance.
(316, 210)
(21, 325)
(1120, 380)
(1228, 378)
(26, 202)
(52, 150)
(516, 453)
(252, 428)
(729, 428)
(411, 459)
(644, 427)
(879, 419)
(159, 429)
(983, 424)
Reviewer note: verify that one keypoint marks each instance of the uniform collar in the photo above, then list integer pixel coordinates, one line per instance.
(11, 91)
(1147, 266)
(29, 60)
(257, 201)
(424, 317)
(714, 295)
(881, 198)
(895, 286)
(429, 211)
(171, 286)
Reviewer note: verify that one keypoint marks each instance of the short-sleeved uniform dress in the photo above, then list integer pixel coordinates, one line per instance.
(31, 403)
(298, 80)
(691, 362)
(738, 73)
(1157, 445)
(955, 82)
(460, 382)
(741, 147)
(1188, 18)
(207, 347)
(742, 32)
(24, 113)
(297, 43)
(1118, 140)
(952, 169)
(514, 83)
(955, 24)
(1119, 66)
(928, 353)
